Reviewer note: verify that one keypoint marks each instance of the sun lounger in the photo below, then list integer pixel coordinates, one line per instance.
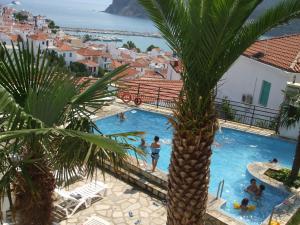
(73, 200)
(96, 221)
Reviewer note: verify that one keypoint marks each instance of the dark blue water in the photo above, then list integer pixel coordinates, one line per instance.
(229, 162)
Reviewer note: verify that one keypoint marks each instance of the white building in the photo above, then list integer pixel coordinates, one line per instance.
(67, 52)
(261, 74)
(174, 70)
(41, 40)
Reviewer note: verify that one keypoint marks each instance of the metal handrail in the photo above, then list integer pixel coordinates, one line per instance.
(277, 206)
(220, 189)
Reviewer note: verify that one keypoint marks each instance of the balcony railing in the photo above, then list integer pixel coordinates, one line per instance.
(228, 110)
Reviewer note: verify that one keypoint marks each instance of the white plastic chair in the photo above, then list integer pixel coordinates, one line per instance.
(94, 220)
(80, 196)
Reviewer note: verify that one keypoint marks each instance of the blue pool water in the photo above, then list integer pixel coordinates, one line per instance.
(229, 161)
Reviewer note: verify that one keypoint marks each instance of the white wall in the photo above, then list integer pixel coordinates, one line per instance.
(246, 77)
(67, 57)
(172, 74)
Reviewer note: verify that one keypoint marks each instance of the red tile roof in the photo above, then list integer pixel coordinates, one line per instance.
(65, 48)
(281, 52)
(39, 37)
(89, 63)
(128, 74)
(148, 89)
(177, 66)
(89, 52)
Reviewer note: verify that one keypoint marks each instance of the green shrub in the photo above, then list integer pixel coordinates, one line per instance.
(282, 175)
(295, 220)
(227, 110)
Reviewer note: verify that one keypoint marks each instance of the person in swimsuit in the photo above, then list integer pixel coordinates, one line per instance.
(155, 149)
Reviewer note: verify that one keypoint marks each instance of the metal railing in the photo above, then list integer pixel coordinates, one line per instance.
(284, 208)
(220, 189)
(239, 112)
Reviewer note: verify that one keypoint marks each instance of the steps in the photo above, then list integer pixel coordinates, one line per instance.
(151, 183)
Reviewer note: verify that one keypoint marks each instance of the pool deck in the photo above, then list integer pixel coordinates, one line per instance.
(119, 200)
(285, 211)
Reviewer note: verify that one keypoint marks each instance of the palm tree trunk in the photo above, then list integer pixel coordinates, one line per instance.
(34, 203)
(189, 169)
(296, 164)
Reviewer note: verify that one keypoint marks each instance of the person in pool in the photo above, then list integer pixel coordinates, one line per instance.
(155, 149)
(244, 204)
(143, 143)
(121, 115)
(260, 191)
(252, 188)
(274, 160)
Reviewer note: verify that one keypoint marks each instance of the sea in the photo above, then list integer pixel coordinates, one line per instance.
(89, 14)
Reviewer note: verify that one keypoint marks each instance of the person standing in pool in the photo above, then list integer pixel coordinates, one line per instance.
(155, 149)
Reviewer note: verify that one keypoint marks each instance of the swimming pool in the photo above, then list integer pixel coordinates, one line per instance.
(230, 158)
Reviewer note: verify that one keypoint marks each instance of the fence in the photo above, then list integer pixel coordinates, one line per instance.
(228, 110)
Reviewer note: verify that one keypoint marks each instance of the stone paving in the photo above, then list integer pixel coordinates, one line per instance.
(121, 199)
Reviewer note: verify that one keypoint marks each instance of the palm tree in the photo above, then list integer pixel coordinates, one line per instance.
(45, 127)
(208, 36)
(290, 117)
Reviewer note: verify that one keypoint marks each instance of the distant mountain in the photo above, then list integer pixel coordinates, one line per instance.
(126, 8)
(133, 9)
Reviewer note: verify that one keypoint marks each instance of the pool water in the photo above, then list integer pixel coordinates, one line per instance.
(233, 151)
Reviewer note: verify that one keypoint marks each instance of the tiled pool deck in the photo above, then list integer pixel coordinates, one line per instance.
(121, 198)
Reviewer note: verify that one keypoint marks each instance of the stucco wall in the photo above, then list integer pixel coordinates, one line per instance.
(246, 77)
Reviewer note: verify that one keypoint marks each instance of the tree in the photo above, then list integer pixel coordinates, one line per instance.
(129, 45)
(54, 59)
(86, 38)
(149, 49)
(46, 127)
(52, 26)
(290, 117)
(21, 16)
(208, 36)
(101, 71)
(79, 69)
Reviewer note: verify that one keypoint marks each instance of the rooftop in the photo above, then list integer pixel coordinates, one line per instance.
(89, 52)
(39, 36)
(65, 48)
(281, 52)
(89, 63)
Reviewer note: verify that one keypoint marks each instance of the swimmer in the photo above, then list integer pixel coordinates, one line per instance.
(260, 191)
(143, 143)
(252, 188)
(121, 115)
(274, 161)
(244, 204)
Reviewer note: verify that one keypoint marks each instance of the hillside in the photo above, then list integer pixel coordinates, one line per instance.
(126, 8)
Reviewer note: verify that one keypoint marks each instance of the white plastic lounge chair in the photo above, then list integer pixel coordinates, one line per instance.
(94, 220)
(83, 195)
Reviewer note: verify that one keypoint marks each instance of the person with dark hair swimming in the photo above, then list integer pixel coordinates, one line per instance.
(155, 149)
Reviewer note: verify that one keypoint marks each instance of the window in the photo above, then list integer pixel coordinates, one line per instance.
(264, 93)
(70, 54)
(43, 43)
(64, 55)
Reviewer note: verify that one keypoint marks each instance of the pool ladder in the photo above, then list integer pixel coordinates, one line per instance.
(220, 189)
